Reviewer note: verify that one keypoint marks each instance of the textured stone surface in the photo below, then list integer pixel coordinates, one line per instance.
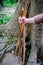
(10, 60)
(36, 36)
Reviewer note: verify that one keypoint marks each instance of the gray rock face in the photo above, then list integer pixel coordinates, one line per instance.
(2, 46)
(36, 8)
(10, 60)
(38, 35)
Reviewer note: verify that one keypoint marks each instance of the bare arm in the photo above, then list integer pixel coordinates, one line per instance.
(36, 19)
(39, 18)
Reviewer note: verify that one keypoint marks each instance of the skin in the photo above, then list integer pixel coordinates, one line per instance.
(36, 19)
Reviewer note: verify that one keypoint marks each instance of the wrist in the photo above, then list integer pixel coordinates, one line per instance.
(31, 20)
(26, 21)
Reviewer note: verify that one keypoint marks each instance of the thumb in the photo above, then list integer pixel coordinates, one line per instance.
(20, 20)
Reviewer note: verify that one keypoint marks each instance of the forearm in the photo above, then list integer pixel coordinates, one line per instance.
(36, 19)
(30, 20)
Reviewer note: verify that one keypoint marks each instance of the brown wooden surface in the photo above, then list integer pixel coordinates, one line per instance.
(21, 34)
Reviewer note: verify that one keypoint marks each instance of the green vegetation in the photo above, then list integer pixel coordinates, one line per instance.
(4, 18)
(10, 3)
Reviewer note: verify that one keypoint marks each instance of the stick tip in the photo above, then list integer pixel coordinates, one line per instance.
(22, 8)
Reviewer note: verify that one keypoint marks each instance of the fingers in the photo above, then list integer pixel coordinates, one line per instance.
(21, 20)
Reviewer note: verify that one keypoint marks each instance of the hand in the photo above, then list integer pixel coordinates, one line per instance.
(22, 20)
(26, 20)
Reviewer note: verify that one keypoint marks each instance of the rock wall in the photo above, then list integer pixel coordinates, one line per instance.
(36, 7)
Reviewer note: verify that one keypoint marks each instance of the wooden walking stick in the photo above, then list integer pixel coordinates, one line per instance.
(23, 38)
(21, 32)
